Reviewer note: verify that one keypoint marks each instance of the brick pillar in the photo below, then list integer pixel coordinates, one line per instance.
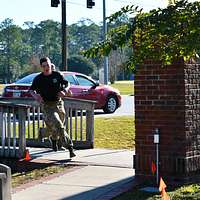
(168, 98)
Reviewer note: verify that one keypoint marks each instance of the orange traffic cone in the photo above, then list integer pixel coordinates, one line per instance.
(27, 155)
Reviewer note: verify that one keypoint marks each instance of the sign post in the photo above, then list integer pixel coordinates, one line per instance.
(156, 141)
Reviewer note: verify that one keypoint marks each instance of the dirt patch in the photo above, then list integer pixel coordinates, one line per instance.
(23, 181)
(28, 173)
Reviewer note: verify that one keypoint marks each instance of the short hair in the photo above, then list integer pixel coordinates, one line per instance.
(44, 59)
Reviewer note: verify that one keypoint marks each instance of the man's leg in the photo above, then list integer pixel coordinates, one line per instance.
(64, 137)
(43, 133)
(58, 132)
(62, 114)
(50, 120)
(67, 142)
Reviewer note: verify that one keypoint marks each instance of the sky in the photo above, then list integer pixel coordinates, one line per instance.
(39, 10)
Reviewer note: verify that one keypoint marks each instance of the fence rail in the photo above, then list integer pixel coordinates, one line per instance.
(21, 120)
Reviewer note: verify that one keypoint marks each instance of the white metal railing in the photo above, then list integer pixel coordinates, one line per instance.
(21, 119)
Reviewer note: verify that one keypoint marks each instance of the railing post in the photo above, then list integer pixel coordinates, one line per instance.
(22, 132)
(90, 127)
(2, 128)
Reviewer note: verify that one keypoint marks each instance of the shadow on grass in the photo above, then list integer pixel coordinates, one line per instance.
(21, 166)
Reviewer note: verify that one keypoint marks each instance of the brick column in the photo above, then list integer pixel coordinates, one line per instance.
(168, 98)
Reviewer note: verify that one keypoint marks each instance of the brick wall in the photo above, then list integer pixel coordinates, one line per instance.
(168, 98)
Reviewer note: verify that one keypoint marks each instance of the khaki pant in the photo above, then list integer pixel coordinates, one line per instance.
(54, 117)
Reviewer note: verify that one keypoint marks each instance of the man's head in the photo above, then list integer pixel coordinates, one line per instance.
(45, 64)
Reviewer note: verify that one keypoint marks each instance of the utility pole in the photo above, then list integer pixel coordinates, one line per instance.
(54, 3)
(64, 37)
(104, 34)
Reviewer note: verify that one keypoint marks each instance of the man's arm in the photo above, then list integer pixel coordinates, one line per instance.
(65, 91)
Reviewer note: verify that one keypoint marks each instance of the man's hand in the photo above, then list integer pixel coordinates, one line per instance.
(69, 93)
(61, 94)
(65, 93)
(37, 97)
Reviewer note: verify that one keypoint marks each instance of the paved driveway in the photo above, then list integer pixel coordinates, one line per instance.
(127, 108)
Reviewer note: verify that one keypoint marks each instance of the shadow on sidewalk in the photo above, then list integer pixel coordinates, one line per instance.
(105, 192)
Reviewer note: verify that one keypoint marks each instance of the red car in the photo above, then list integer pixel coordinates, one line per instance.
(82, 87)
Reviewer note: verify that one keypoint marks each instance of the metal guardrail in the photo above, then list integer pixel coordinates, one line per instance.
(21, 119)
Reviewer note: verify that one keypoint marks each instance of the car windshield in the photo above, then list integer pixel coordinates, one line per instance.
(27, 79)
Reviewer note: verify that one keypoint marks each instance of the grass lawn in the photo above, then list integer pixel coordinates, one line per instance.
(114, 132)
(125, 87)
(188, 192)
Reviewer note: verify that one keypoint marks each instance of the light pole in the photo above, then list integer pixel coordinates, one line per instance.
(104, 34)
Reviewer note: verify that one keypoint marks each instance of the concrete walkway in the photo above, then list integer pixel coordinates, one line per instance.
(102, 174)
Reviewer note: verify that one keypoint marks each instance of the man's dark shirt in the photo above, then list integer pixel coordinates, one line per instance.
(49, 86)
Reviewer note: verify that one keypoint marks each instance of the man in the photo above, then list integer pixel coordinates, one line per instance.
(48, 88)
(44, 132)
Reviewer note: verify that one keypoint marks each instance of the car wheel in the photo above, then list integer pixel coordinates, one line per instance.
(111, 105)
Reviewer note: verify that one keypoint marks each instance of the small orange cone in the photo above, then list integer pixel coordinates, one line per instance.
(27, 156)
(162, 187)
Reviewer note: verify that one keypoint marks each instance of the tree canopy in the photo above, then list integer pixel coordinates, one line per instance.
(163, 35)
(80, 64)
(21, 48)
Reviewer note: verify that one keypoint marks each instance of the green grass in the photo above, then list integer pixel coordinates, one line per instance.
(125, 87)
(188, 192)
(114, 133)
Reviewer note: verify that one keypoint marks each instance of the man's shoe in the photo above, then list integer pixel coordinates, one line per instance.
(54, 144)
(71, 152)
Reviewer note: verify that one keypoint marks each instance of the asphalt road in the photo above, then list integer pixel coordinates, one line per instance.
(126, 109)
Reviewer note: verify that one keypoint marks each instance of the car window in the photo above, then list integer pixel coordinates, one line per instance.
(27, 79)
(84, 81)
(70, 79)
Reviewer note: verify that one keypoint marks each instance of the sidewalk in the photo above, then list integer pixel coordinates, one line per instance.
(101, 175)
